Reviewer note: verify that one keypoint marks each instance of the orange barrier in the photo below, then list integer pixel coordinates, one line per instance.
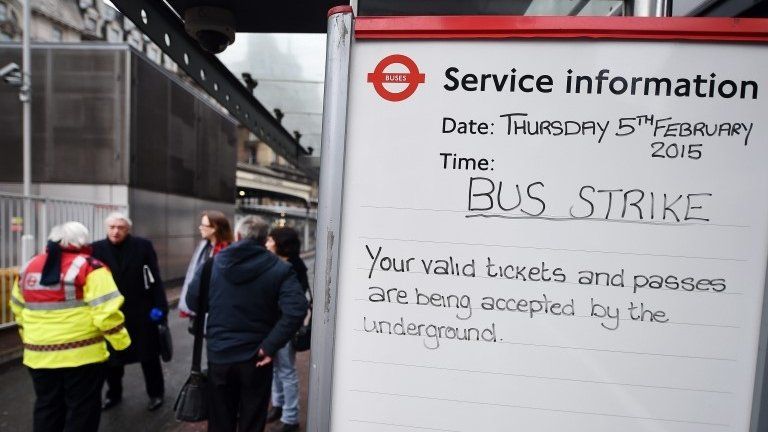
(7, 275)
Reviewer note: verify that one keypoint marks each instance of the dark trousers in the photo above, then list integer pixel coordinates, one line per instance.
(153, 379)
(68, 399)
(239, 396)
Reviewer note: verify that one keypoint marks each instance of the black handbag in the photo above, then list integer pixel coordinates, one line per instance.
(303, 338)
(192, 402)
(166, 342)
(301, 341)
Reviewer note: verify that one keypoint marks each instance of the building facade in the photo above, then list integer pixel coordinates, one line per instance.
(110, 126)
(156, 143)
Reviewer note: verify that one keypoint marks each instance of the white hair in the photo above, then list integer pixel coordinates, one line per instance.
(118, 216)
(253, 227)
(69, 234)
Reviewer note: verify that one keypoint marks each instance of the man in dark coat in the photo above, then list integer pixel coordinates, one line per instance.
(133, 263)
(255, 305)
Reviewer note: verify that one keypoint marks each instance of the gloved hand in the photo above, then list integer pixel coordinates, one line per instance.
(156, 315)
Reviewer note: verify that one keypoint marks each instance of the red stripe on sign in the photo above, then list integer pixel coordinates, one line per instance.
(500, 27)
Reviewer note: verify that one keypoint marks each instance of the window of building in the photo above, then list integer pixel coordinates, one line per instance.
(153, 53)
(169, 64)
(56, 35)
(110, 13)
(3, 12)
(252, 155)
(114, 35)
(134, 40)
(5, 37)
(90, 24)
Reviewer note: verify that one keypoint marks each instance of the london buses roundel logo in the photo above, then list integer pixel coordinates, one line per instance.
(383, 82)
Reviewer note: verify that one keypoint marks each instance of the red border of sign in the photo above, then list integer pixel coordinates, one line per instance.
(500, 27)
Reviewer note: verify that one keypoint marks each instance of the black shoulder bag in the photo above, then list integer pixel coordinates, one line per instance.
(164, 336)
(192, 402)
(301, 340)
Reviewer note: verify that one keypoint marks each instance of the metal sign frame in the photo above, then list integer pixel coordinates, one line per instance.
(341, 30)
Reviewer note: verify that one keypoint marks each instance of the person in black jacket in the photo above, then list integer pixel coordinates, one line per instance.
(255, 305)
(133, 263)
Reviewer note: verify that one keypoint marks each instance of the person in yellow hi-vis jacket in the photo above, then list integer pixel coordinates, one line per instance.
(67, 307)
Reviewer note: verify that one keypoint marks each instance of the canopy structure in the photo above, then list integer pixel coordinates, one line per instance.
(164, 26)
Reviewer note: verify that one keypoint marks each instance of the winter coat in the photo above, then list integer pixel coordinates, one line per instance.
(67, 324)
(255, 302)
(301, 271)
(203, 251)
(194, 265)
(141, 295)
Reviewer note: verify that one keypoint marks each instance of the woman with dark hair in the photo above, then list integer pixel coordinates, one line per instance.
(217, 234)
(284, 242)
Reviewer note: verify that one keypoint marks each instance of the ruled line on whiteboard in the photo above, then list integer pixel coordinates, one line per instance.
(497, 404)
(550, 284)
(523, 314)
(551, 217)
(404, 426)
(541, 377)
(555, 249)
(573, 219)
(620, 352)
(563, 347)
(703, 325)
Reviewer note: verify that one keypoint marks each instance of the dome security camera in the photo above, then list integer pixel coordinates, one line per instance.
(212, 27)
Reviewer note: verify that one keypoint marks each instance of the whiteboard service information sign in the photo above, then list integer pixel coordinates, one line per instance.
(549, 235)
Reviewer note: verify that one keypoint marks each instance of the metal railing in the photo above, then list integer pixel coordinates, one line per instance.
(46, 213)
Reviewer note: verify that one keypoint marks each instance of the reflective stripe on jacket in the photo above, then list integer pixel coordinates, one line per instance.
(67, 324)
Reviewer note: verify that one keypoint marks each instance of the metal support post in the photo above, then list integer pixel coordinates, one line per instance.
(42, 221)
(306, 228)
(25, 95)
(340, 29)
(649, 8)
